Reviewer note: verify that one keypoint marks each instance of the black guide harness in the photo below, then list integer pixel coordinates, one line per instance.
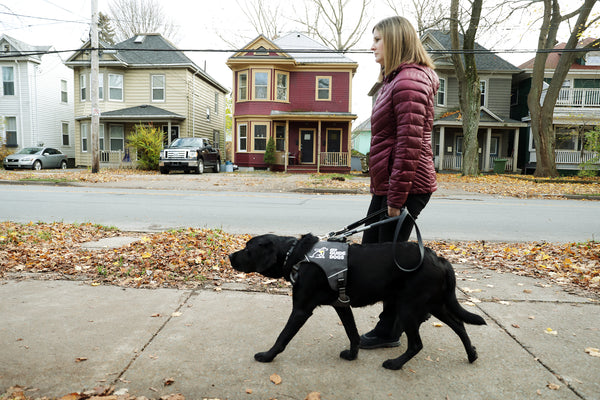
(337, 273)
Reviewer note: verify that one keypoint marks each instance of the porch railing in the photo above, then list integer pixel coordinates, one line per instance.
(567, 156)
(454, 162)
(578, 97)
(118, 158)
(334, 159)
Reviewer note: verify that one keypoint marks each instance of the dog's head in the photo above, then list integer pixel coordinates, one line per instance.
(266, 254)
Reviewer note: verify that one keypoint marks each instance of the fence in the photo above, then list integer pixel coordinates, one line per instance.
(334, 159)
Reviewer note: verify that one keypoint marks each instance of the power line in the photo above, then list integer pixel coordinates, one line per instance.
(45, 18)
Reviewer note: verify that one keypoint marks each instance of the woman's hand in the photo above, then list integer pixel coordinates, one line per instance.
(393, 212)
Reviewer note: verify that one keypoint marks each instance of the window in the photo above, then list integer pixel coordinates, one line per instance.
(216, 138)
(115, 87)
(441, 96)
(242, 137)
(216, 103)
(494, 145)
(83, 87)
(323, 88)
(65, 134)
(64, 92)
(282, 86)
(566, 139)
(459, 145)
(279, 137)
(158, 87)
(11, 131)
(101, 137)
(260, 137)
(243, 86)
(117, 138)
(84, 137)
(261, 85)
(483, 87)
(100, 86)
(8, 81)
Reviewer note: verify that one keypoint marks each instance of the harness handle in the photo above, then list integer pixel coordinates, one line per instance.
(399, 224)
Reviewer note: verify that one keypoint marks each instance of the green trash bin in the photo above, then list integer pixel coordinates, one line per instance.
(500, 165)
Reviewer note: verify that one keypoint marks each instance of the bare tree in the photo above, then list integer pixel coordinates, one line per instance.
(542, 111)
(429, 14)
(131, 17)
(469, 90)
(333, 21)
(265, 16)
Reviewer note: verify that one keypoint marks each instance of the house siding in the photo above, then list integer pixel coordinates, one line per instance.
(498, 92)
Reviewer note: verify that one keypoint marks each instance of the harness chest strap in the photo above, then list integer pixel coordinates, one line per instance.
(332, 258)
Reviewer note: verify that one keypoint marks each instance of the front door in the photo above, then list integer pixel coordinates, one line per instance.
(307, 146)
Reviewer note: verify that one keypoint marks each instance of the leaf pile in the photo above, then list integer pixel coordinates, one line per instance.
(564, 264)
(191, 258)
(522, 186)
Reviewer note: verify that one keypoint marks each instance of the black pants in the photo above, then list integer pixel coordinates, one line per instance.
(387, 326)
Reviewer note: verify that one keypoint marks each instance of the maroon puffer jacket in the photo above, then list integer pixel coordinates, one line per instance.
(401, 160)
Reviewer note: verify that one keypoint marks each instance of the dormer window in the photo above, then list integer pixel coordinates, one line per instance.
(593, 58)
(6, 48)
(139, 39)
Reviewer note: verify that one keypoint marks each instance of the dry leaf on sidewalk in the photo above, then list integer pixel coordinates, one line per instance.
(276, 379)
(593, 351)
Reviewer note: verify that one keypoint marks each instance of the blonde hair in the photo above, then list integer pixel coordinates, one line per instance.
(401, 44)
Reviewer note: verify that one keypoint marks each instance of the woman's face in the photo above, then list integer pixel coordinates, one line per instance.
(377, 47)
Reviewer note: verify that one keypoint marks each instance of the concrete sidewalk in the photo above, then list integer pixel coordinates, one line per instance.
(60, 337)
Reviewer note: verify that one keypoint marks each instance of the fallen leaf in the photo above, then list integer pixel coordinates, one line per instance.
(593, 351)
(550, 331)
(515, 326)
(553, 386)
(155, 315)
(276, 379)
(313, 396)
(176, 314)
(248, 391)
(438, 324)
(168, 381)
(80, 359)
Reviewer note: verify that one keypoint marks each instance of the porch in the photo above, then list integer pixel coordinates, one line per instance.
(454, 162)
(118, 158)
(578, 97)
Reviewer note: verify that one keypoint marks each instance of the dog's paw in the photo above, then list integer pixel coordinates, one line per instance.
(263, 357)
(393, 364)
(349, 355)
(473, 355)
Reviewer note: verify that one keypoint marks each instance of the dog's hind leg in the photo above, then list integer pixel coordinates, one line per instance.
(413, 342)
(347, 318)
(459, 328)
(295, 322)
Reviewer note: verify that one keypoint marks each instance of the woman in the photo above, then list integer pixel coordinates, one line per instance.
(401, 161)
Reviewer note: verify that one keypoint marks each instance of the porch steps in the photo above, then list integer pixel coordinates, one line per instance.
(302, 169)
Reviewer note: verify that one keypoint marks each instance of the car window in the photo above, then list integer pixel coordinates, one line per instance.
(30, 150)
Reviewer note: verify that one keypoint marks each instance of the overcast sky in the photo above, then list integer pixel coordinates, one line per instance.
(198, 23)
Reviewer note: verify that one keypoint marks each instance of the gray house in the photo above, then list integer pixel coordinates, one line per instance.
(498, 135)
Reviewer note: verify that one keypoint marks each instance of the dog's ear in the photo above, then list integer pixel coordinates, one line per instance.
(268, 257)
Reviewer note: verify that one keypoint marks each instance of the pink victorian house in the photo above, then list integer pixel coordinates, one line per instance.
(298, 92)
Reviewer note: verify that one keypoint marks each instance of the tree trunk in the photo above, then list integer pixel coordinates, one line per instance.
(469, 104)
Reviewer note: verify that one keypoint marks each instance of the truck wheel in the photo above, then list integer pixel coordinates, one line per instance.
(217, 167)
(200, 169)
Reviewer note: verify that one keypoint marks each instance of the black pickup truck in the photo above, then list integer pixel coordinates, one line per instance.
(189, 155)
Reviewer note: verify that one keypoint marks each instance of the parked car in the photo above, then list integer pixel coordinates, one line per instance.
(189, 155)
(36, 158)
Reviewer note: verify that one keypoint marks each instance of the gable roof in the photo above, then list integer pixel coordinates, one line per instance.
(295, 47)
(484, 59)
(148, 50)
(22, 49)
(554, 57)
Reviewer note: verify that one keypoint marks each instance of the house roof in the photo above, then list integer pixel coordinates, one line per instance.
(554, 57)
(148, 50)
(299, 41)
(295, 47)
(139, 112)
(485, 60)
(363, 126)
(22, 49)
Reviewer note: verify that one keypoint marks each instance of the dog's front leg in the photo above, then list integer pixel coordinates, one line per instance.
(347, 317)
(295, 322)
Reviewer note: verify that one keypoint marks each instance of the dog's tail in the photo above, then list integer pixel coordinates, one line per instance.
(452, 301)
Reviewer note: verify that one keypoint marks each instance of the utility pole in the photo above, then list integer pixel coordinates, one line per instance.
(95, 66)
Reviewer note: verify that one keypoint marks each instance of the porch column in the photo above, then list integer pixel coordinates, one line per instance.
(169, 132)
(349, 162)
(486, 154)
(318, 155)
(287, 146)
(515, 150)
(442, 148)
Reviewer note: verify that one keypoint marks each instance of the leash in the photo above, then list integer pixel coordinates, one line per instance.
(343, 234)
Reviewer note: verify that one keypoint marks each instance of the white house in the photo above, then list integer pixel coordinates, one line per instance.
(36, 105)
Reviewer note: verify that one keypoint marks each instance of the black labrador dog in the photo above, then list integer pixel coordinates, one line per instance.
(372, 277)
